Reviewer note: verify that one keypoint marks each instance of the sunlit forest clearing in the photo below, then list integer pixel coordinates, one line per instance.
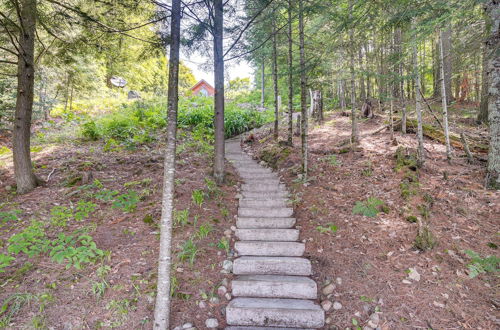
(350, 182)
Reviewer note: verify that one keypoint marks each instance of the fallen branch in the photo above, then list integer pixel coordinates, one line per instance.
(470, 158)
(50, 174)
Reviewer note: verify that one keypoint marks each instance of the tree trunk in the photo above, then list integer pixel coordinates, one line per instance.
(444, 92)
(482, 116)
(354, 123)
(447, 62)
(362, 76)
(23, 169)
(418, 105)
(275, 83)
(290, 75)
(162, 306)
(303, 93)
(219, 92)
(262, 84)
(493, 176)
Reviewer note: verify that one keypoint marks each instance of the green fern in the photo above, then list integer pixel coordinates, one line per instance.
(370, 208)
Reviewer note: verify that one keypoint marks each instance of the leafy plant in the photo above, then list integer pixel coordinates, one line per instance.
(83, 210)
(369, 208)
(5, 261)
(9, 216)
(479, 265)
(181, 217)
(204, 230)
(31, 241)
(332, 160)
(60, 215)
(329, 228)
(223, 244)
(106, 195)
(74, 250)
(188, 252)
(198, 197)
(127, 202)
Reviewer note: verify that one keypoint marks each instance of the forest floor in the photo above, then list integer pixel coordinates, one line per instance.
(124, 198)
(371, 259)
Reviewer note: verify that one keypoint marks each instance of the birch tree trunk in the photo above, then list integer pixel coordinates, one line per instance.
(219, 91)
(23, 169)
(493, 176)
(446, 43)
(290, 75)
(262, 84)
(162, 306)
(444, 99)
(303, 93)
(418, 105)
(275, 83)
(354, 123)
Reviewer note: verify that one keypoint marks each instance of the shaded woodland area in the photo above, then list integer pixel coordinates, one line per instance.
(118, 207)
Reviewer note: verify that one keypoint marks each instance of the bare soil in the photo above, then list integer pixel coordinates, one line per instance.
(368, 259)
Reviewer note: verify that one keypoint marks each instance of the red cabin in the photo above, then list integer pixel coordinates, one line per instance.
(203, 88)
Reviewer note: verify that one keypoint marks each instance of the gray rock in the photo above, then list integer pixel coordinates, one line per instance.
(328, 289)
(133, 95)
(187, 326)
(227, 266)
(214, 300)
(212, 323)
(326, 305)
(228, 296)
(337, 306)
(221, 290)
(202, 305)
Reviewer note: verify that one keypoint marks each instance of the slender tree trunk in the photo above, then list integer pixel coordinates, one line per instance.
(262, 84)
(444, 92)
(362, 76)
(482, 116)
(303, 93)
(275, 83)
(403, 117)
(162, 306)
(418, 105)
(447, 62)
(290, 75)
(25, 178)
(342, 95)
(219, 92)
(493, 176)
(354, 123)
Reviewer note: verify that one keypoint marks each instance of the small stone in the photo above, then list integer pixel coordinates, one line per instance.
(337, 306)
(8, 188)
(328, 289)
(212, 323)
(437, 304)
(233, 228)
(178, 328)
(228, 296)
(187, 326)
(227, 266)
(326, 305)
(224, 282)
(214, 300)
(413, 275)
(221, 290)
(202, 305)
(338, 280)
(328, 320)
(375, 318)
(372, 325)
(367, 328)
(228, 233)
(406, 282)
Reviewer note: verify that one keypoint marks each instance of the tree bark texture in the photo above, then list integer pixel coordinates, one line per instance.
(303, 93)
(275, 83)
(219, 92)
(418, 105)
(25, 177)
(162, 306)
(290, 75)
(444, 93)
(493, 176)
